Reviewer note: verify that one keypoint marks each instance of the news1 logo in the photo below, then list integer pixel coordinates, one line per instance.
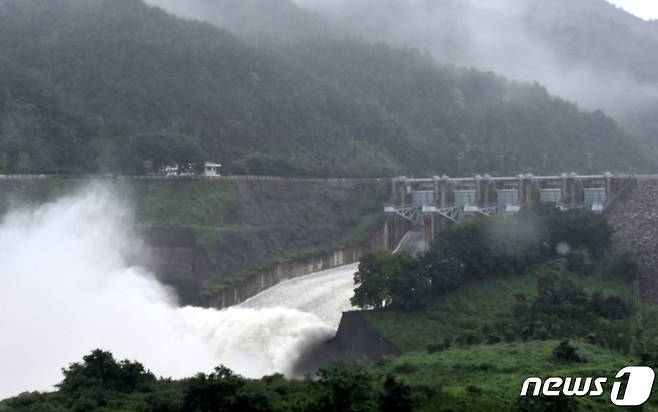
(639, 382)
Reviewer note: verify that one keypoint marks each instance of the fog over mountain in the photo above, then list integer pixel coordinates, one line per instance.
(587, 51)
(149, 89)
(255, 19)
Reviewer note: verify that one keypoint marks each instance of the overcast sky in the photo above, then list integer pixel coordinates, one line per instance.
(647, 9)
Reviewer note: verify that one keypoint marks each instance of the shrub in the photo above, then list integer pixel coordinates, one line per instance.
(565, 353)
(623, 264)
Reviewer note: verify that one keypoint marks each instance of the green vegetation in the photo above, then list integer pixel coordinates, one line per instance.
(489, 377)
(511, 306)
(194, 204)
(100, 383)
(200, 205)
(149, 89)
(468, 310)
(476, 378)
(505, 279)
(467, 345)
(423, 382)
(485, 248)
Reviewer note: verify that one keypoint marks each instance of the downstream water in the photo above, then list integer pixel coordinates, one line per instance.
(67, 287)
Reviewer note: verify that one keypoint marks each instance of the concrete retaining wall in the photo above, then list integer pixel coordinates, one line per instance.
(386, 238)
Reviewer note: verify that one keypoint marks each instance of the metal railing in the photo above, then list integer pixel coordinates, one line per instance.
(193, 177)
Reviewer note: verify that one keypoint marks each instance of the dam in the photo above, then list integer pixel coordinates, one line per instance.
(327, 293)
(76, 250)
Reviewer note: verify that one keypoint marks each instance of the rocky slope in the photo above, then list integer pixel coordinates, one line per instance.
(635, 219)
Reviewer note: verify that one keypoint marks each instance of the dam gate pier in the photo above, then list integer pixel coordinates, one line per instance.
(435, 203)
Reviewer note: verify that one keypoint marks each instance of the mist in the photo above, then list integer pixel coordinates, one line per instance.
(504, 36)
(68, 285)
(514, 38)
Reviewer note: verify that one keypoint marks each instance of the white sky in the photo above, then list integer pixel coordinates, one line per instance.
(647, 9)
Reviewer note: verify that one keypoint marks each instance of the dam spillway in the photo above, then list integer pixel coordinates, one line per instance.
(325, 294)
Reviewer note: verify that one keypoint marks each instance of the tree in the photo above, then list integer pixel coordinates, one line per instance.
(467, 243)
(4, 162)
(163, 148)
(444, 274)
(580, 228)
(92, 383)
(346, 389)
(100, 369)
(566, 353)
(105, 153)
(408, 285)
(386, 279)
(471, 244)
(223, 391)
(371, 281)
(623, 264)
(24, 163)
(397, 396)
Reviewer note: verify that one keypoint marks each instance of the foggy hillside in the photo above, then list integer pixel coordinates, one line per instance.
(587, 51)
(117, 86)
(260, 20)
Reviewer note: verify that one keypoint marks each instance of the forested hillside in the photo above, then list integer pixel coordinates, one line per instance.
(256, 20)
(614, 43)
(118, 86)
(587, 51)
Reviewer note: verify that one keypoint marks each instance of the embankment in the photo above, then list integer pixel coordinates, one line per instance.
(247, 233)
(387, 237)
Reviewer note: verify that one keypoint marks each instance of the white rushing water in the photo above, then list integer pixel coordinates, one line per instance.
(66, 288)
(326, 294)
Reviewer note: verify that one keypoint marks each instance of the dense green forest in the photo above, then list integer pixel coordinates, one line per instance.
(121, 87)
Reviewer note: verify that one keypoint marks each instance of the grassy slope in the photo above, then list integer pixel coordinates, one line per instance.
(208, 208)
(470, 307)
(491, 376)
(488, 377)
(198, 205)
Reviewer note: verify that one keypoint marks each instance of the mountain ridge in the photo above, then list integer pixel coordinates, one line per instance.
(130, 88)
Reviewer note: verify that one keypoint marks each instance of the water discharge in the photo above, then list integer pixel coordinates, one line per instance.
(326, 294)
(67, 287)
